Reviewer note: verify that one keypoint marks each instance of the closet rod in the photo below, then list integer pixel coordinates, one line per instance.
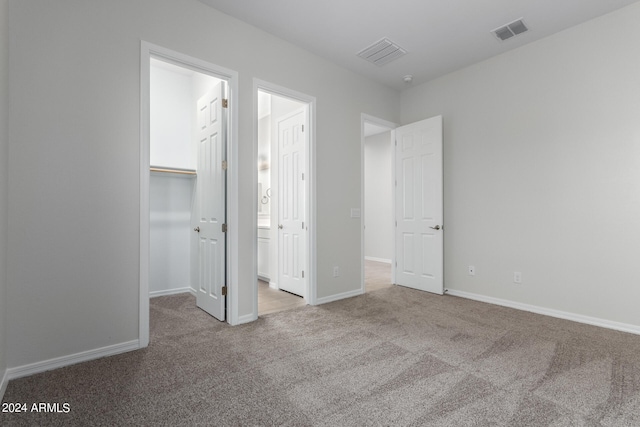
(172, 170)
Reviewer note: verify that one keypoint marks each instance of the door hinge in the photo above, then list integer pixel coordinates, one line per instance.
(225, 103)
(303, 176)
(302, 128)
(224, 228)
(224, 165)
(303, 225)
(303, 274)
(224, 291)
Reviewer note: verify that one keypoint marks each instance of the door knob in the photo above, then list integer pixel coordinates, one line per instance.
(437, 227)
(280, 226)
(197, 229)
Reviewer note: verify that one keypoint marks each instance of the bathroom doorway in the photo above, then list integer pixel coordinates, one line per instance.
(283, 197)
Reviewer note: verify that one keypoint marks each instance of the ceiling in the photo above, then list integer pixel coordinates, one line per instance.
(440, 36)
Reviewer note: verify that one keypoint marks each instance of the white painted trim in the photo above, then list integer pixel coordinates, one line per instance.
(247, 318)
(366, 118)
(59, 362)
(274, 285)
(145, 178)
(311, 262)
(394, 260)
(4, 383)
(254, 207)
(233, 203)
(154, 294)
(231, 77)
(371, 258)
(337, 297)
(595, 321)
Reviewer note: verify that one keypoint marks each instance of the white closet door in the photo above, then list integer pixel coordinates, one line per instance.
(210, 206)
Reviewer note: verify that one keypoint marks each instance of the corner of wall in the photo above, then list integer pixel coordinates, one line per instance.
(4, 135)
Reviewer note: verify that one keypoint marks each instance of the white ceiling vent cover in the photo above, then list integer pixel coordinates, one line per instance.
(510, 30)
(382, 52)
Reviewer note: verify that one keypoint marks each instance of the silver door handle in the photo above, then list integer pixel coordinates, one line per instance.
(437, 227)
(197, 229)
(280, 226)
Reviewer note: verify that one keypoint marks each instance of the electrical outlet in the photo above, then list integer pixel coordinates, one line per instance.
(336, 271)
(517, 277)
(472, 270)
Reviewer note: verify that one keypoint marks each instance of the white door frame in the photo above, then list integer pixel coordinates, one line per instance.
(366, 118)
(147, 50)
(310, 186)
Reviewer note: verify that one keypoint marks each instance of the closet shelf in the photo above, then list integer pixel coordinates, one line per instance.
(166, 169)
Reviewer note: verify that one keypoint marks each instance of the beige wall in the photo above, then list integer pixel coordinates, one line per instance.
(542, 170)
(74, 259)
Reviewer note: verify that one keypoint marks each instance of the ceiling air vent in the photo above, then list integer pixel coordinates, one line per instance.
(382, 52)
(510, 30)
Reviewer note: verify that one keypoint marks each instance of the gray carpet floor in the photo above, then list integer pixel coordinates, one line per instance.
(390, 357)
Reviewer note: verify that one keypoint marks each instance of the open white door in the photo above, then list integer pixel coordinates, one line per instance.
(209, 215)
(418, 205)
(292, 135)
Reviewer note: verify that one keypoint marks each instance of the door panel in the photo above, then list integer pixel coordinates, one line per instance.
(292, 143)
(210, 206)
(419, 205)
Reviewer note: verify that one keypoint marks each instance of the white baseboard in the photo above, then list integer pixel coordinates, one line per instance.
(338, 297)
(370, 258)
(59, 362)
(175, 291)
(3, 384)
(603, 323)
(274, 285)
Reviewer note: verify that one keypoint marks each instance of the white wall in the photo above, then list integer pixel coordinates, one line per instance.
(171, 134)
(378, 199)
(264, 157)
(73, 263)
(542, 170)
(170, 199)
(171, 114)
(4, 135)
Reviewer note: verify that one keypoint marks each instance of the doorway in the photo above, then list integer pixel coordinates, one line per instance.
(377, 215)
(283, 158)
(416, 200)
(168, 191)
(187, 183)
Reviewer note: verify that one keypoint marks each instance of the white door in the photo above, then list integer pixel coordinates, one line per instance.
(418, 205)
(292, 138)
(209, 217)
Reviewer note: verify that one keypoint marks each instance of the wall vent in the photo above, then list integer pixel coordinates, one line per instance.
(510, 30)
(382, 52)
